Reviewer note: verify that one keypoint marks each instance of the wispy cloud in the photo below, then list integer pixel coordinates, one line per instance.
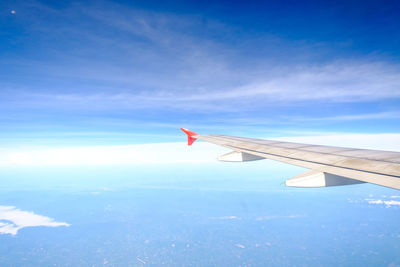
(108, 67)
(267, 218)
(387, 203)
(12, 220)
(354, 117)
(336, 82)
(231, 217)
(175, 62)
(259, 218)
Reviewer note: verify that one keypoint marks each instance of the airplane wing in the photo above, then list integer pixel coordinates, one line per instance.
(328, 165)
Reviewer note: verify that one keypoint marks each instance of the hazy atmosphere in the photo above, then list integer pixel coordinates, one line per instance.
(95, 171)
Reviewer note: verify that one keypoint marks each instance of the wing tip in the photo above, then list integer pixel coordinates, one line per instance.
(191, 136)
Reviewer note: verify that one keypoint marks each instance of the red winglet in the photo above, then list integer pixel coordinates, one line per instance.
(190, 135)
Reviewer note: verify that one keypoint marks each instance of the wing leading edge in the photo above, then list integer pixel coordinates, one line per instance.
(329, 166)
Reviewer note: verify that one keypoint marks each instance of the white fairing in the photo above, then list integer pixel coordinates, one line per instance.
(319, 179)
(238, 157)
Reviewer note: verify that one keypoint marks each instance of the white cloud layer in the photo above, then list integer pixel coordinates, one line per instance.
(13, 219)
(162, 153)
(167, 153)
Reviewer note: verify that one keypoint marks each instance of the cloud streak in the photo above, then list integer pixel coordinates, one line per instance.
(193, 69)
(338, 82)
(353, 117)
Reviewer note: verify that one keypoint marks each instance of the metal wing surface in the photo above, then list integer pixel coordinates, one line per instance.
(329, 165)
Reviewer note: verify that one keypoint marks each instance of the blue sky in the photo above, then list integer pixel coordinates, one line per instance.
(125, 72)
(92, 96)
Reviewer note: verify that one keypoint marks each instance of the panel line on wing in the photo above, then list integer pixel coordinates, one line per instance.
(337, 151)
(314, 162)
